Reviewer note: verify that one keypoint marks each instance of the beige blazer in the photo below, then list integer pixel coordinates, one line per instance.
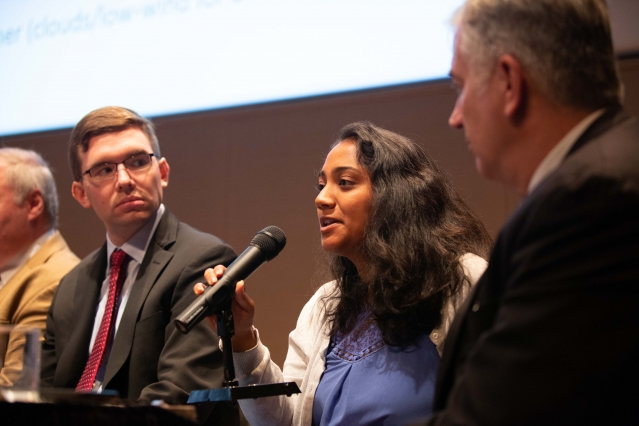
(25, 299)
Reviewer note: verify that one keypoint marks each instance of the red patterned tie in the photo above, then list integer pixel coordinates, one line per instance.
(102, 339)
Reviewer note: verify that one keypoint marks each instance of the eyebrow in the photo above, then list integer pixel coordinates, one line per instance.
(129, 155)
(338, 170)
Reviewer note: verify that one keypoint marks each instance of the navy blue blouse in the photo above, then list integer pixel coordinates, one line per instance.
(367, 382)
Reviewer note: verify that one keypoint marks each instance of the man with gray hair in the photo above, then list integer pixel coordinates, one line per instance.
(33, 254)
(550, 334)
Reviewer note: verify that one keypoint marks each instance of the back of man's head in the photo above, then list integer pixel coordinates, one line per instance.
(26, 171)
(565, 46)
(104, 120)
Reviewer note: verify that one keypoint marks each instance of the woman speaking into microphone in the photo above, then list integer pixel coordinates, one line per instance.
(404, 251)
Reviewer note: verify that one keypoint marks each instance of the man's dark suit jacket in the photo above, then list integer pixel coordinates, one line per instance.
(551, 333)
(150, 359)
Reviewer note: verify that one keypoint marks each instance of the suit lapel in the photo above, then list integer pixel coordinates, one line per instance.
(155, 260)
(87, 292)
(445, 374)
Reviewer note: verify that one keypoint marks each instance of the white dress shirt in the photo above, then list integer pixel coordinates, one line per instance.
(135, 248)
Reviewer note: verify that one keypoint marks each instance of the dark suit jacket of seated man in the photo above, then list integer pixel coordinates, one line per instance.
(149, 358)
(551, 333)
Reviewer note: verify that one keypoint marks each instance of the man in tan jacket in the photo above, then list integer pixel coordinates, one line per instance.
(33, 254)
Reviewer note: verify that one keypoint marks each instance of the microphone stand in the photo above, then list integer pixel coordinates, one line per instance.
(230, 390)
(226, 330)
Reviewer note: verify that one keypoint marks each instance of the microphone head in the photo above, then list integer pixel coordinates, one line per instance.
(270, 240)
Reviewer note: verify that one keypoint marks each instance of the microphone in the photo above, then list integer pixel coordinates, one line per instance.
(267, 244)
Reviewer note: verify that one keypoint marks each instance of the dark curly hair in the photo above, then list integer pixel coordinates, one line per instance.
(418, 229)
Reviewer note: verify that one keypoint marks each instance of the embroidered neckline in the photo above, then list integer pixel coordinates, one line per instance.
(365, 339)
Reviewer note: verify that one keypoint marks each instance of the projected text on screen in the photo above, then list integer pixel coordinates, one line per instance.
(60, 59)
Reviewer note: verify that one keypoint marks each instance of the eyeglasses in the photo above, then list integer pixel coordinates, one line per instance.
(135, 163)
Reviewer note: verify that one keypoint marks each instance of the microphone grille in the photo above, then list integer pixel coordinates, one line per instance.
(270, 240)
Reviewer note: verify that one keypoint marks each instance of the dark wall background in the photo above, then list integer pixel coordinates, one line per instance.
(234, 172)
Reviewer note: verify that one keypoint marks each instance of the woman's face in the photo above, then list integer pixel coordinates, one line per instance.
(343, 202)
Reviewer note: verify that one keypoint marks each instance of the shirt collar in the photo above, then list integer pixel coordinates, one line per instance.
(20, 259)
(136, 246)
(559, 152)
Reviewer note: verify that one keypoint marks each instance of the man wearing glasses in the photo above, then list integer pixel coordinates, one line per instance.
(110, 326)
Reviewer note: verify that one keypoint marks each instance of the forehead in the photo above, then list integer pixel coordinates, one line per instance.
(116, 146)
(6, 191)
(3, 178)
(468, 65)
(459, 64)
(344, 154)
